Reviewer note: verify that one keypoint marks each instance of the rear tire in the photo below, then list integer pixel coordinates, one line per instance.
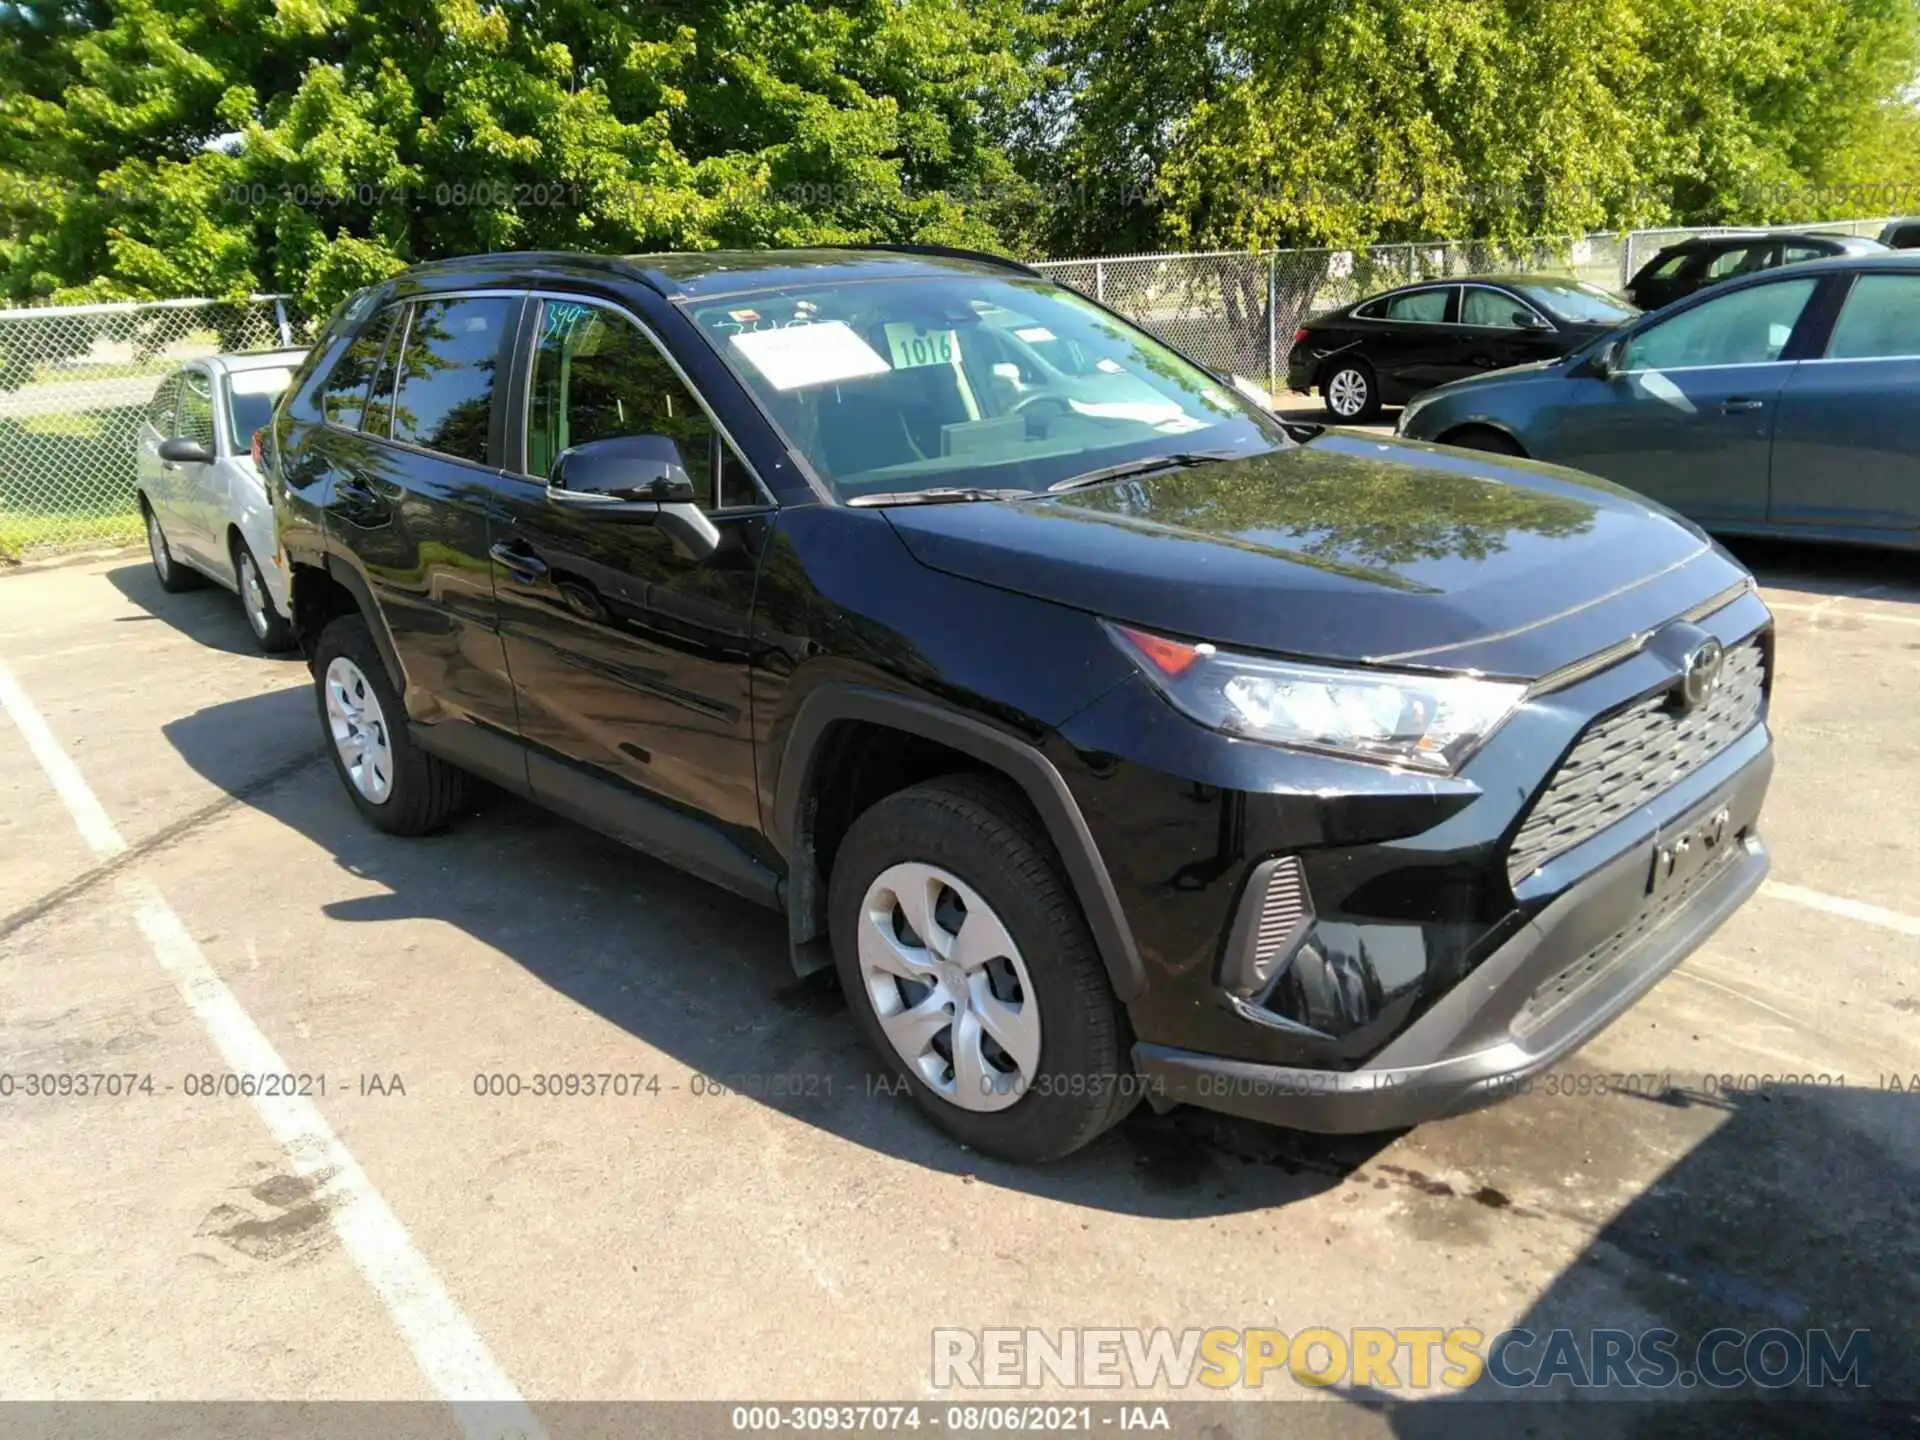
(270, 629)
(396, 785)
(172, 575)
(1010, 959)
(1485, 438)
(1350, 392)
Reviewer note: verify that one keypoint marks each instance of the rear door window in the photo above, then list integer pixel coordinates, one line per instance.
(1880, 321)
(443, 394)
(1423, 307)
(1737, 261)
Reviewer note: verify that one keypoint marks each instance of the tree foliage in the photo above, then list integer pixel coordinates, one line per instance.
(158, 147)
(1204, 123)
(162, 147)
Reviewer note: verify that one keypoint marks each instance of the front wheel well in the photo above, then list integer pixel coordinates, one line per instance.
(855, 765)
(1480, 436)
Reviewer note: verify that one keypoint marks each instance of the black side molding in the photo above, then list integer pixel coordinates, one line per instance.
(1019, 761)
(647, 825)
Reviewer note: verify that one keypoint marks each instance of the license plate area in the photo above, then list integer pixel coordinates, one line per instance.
(1681, 853)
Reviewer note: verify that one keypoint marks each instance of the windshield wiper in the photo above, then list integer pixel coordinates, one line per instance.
(1132, 468)
(951, 495)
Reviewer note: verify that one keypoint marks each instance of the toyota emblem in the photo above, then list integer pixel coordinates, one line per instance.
(1701, 674)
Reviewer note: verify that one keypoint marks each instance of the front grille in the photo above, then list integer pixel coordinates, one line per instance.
(1559, 989)
(1626, 758)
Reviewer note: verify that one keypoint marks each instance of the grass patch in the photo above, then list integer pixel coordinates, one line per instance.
(24, 534)
(67, 480)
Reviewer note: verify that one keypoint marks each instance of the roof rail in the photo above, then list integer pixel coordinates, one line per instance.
(953, 252)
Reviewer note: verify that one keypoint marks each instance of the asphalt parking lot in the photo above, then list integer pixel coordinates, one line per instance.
(190, 889)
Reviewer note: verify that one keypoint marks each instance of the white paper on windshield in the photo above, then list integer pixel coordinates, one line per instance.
(1034, 334)
(270, 381)
(800, 355)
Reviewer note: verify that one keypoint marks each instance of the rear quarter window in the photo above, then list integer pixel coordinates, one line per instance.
(311, 376)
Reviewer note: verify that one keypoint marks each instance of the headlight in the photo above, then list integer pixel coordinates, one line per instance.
(1428, 722)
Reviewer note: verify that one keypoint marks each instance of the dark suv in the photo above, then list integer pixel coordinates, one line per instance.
(1702, 260)
(1111, 738)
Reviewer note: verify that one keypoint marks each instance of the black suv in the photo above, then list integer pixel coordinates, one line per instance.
(1111, 738)
(1702, 260)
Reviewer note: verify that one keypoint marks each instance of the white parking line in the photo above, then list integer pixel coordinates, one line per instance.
(444, 1343)
(1843, 907)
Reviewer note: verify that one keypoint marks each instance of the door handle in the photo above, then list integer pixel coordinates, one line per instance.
(525, 565)
(1739, 406)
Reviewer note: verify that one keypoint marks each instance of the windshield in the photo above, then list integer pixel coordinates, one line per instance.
(1579, 302)
(899, 386)
(250, 397)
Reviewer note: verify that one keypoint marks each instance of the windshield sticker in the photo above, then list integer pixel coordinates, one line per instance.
(1112, 367)
(1034, 334)
(913, 347)
(745, 317)
(817, 354)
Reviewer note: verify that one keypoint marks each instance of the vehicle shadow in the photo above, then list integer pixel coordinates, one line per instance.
(1885, 576)
(210, 615)
(678, 963)
(1799, 1212)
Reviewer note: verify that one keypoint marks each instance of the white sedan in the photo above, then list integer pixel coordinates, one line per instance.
(207, 512)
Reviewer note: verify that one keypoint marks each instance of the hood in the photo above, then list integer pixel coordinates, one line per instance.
(1349, 548)
(1531, 372)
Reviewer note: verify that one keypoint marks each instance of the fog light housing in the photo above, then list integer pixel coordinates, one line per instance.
(1276, 912)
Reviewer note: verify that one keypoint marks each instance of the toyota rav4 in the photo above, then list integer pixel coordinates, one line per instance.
(1110, 738)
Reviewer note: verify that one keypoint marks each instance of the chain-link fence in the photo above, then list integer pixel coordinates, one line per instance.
(1236, 311)
(74, 383)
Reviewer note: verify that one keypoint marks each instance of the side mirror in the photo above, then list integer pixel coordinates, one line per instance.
(635, 480)
(1604, 363)
(1527, 320)
(182, 451)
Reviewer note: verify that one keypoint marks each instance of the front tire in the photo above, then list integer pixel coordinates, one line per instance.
(1350, 393)
(270, 629)
(396, 785)
(970, 970)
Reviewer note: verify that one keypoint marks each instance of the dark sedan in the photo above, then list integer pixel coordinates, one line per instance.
(1388, 348)
(1787, 403)
(1702, 260)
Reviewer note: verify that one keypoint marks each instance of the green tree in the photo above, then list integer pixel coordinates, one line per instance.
(160, 147)
(1226, 123)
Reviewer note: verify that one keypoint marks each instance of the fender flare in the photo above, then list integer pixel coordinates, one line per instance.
(355, 584)
(1479, 422)
(1012, 757)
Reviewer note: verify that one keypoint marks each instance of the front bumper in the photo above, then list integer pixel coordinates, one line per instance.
(1563, 977)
